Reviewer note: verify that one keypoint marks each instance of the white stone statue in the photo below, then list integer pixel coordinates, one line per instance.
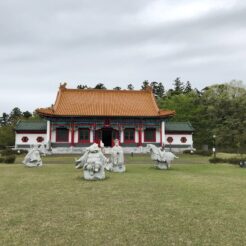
(93, 163)
(162, 158)
(117, 159)
(33, 158)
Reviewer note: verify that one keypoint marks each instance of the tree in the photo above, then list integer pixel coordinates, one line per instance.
(7, 136)
(4, 119)
(145, 85)
(82, 87)
(27, 114)
(117, 88)
(130, 87)
(100, 86)
(14, 116)
(188, 87)
(160, 90)
(178, 86)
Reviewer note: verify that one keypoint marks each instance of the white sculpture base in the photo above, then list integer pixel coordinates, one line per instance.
(162, 165)
(34, 164)
(115, 168)
(88, 175)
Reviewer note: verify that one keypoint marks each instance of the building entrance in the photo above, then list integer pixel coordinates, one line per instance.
(107, 137)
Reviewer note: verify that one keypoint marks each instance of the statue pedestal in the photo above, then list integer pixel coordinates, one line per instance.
(88, 175)
(162, 165)
(119, 169)
(115, 168)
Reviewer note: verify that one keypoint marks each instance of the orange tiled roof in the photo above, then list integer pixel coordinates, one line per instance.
(92, 102)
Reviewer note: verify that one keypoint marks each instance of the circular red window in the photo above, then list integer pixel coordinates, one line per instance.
(169, 139)
(40, 139)
(183, 140)
(24, 139)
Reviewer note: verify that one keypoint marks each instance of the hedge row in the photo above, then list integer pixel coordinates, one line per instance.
(6, 152)
(7, 159)
(233, 160)
(199, 152)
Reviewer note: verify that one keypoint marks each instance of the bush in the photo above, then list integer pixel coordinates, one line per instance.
(9, 159)
(21, 151)
(234, 160)
(1, 159)
(203, 152)
(187, 152)
(217, 160)
(7, 152)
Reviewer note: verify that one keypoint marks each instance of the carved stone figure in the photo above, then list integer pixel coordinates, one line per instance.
(33, 158)
(117, 159)
(93, 162)
(162, 158)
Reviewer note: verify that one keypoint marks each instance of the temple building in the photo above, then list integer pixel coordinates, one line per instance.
(80, 117)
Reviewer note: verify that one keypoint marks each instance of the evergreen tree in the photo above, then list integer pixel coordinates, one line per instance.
(160, 90)
(117, 88)
(178, 86)
(188, 87)
(145, 85)
(100, 86)
(82, 87)
(27, 114)
(130, 87)
(4, 119)
(14, 116)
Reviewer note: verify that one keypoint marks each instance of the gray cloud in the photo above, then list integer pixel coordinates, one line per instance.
(115, 42)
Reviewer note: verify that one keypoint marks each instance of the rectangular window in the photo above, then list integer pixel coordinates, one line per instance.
(129, 135)
(150, 135)
(84, 135)
(62, 134)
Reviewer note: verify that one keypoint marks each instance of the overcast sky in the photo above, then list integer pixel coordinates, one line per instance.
(116, 42)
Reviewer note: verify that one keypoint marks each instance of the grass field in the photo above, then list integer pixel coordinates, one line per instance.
(194, 203)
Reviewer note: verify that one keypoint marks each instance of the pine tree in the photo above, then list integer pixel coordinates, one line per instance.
(145, 85)
(130, 87)
(188, 87)
(178, 86)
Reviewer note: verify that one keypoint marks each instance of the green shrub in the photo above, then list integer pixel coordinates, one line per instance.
(1, 159)
(7, 152)
(187, 151)
(233, 160)
(21, 151)
(217, 160)
(203, 152)
(9, 159)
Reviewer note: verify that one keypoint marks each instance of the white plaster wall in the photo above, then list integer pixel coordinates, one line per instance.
(32, 138)
(177, 137)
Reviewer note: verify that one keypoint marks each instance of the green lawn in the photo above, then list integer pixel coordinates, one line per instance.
(194, 203)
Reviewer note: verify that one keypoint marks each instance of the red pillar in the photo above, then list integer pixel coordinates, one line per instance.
(72, 134)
